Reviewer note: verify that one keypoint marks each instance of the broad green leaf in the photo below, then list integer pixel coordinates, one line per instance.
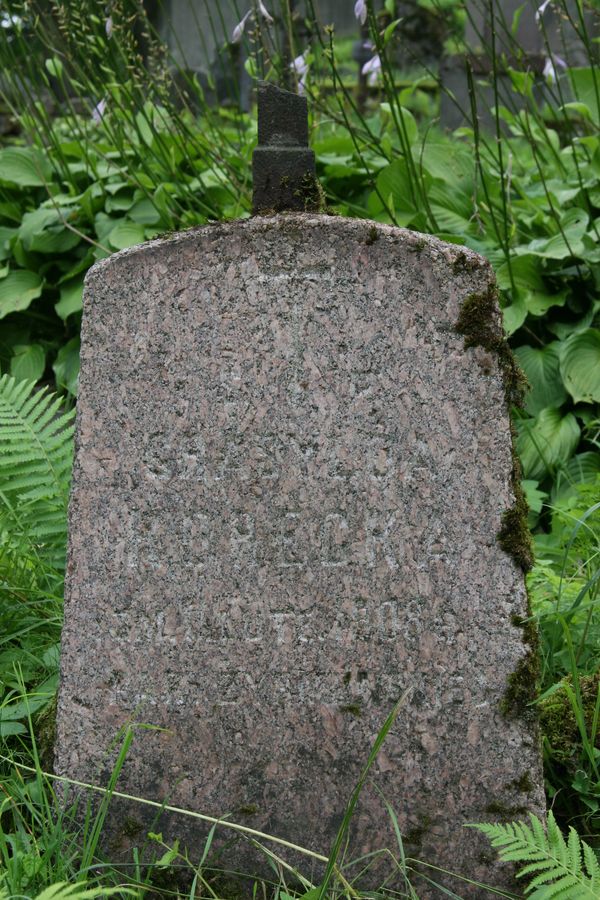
(104, 225)
(28, 362)
(145, 127)
(71, 295)
(121, 202)
(524, 272)
(394, 181)
(586, 87)
(407, 124)
(580, 108)
(5, 237)
(542, 368)
(126, 234)
(18, 290)
(579, 469)
(539, 303)
(566, 242)
(25, 167)
(515, 314)
(54, 66)
(523, 82)
(546, 441)
(20, 709)
(66, 367)
(535, 497)
(580, 365)
(9, 728)
(44, 231)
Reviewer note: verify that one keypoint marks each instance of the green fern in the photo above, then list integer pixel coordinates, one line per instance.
(562, 870)
(36, 449)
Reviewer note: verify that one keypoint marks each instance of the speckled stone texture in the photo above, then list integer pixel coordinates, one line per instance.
(289, 479)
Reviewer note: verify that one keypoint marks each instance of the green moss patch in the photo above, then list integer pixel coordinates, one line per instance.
(514, 536)
(522, 686)
(559, 723)
(478, 323)
(312, 194)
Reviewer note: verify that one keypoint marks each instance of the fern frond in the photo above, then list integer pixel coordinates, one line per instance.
(35, 440)
(36, 448)
(562, 870)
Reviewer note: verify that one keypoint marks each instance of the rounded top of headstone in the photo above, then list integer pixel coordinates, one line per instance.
(372, 238)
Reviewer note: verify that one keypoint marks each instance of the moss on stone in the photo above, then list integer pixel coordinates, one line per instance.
(523, 784)
(248, 809)
(416, 834)
(464, 262)
(514, 536)
(522, 686)
(478, 323)
(372, 235)
(312, 194)
(131, 827)
(559, 723)
(353, 709)
(507, 813)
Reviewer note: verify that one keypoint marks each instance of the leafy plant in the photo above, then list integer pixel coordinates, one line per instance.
(560, 869)
(36, 436)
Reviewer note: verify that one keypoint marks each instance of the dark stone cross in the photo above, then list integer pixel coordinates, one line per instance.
(283, 166)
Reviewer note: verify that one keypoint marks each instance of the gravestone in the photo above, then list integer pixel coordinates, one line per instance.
(293, 463)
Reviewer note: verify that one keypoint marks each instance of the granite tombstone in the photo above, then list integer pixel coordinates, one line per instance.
(293, 498)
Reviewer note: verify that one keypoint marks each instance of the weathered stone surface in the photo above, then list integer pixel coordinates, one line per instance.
(289, 479)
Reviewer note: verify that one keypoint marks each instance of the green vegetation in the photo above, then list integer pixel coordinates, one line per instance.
(109, 151)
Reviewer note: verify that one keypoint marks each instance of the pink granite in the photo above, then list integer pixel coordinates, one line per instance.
(289, 479)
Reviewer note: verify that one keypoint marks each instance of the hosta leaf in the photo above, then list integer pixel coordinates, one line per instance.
(546, 441)
(71, 295)
(18, 290)
(566, 242)
(24, 166)
(394, 182)
(145, 212)
(542, 368)
(538, 302)
(5, 236)
(126, 234)
(586, 88)
(579, 469)
(515, 314)
(535, 498)
(66, 367)
(525, 272)
(28, 362)
(580, 365)
(44, 231)
(10, 728)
